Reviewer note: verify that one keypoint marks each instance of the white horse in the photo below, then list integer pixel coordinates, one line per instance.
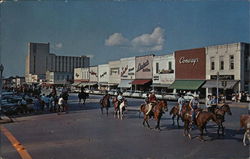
(120, 111)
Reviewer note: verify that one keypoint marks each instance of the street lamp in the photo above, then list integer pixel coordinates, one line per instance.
(1, 83)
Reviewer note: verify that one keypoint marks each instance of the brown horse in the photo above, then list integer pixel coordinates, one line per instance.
(105, 103)
(201, 120)
(220, 115)
(245, 124)
(175, 113)
(157, 112)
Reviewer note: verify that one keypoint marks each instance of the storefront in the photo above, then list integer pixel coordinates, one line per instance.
(230, 64)
(93, 77)
(81, 77)
(127, 70)
(114, 74)
(163, 72)
(190, 67)
(143, 73)
(103, 77)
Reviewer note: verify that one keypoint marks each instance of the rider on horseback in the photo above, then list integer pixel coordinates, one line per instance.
(194, 103)
(120, 98)
(181, 102)
(152, 101)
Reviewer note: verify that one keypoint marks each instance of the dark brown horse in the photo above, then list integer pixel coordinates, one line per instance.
(157, 112)
(201, 120)
(175, 113)
(105, 103)
(220, 115)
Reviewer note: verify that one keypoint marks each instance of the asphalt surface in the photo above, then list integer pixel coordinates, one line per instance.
(85, 133)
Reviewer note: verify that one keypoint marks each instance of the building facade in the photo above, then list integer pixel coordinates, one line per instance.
(59, 78)
(163, 71)
(103, 76)
(231, 64)
(39, 60)
(190, 70)
(114, 72)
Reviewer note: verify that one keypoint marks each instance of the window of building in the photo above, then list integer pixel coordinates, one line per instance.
(212, 64)
(221, 63)
(170, 65)
(231, 62)
(157, 67)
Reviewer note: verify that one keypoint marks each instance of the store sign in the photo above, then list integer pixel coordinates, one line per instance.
(93, 73)
(114, 71)
(141, 66)
(77, 75)
(103, 74)
(124, 70)
(193, 61)
(131, 69)
(166, 71)
(222, 77)
(156, 78)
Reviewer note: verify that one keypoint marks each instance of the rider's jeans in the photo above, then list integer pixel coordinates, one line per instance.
(149, 108)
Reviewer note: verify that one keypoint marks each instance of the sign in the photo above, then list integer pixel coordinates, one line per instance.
(131, 69)
(166, 71)
(222, 77)
(124, 69)
(193, 61)
(156, 78)
(103, 74)
(142, 66)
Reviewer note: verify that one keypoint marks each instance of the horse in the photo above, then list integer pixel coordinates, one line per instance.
(220, 115)
(119, 109)
(82, 96)
(202, 118)
(105, 103)
(245, 124)
(157, 112)
(175, 113)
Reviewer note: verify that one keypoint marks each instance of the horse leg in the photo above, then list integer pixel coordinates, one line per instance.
(218, 130)
(178, 117)
(189, 128)
(107, 111)
(102, 109)
(158, 125)
(146, 119)
(222, 129)
(201, 135)
(173, 120)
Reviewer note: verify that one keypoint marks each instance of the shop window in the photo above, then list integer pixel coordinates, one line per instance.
(221, 63)
(231, 62)
(212, 64)
(157, 67)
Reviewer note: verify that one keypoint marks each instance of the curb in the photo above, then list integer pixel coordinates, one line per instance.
(5, 119)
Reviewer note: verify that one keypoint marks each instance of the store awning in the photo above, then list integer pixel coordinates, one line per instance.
(125, 84)
(76, 84)
(228, 84)
(187, 84)
(82, 84)
(160, 85)
(140, 82)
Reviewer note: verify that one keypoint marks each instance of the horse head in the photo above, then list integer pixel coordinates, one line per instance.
(226, 108)
(163, 105)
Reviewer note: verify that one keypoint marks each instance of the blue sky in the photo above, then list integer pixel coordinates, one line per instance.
(108, 30)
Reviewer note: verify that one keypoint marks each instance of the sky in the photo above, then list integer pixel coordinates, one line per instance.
(107, 30)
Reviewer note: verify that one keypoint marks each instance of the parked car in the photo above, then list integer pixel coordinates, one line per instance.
(137, 94)
(128, 93)
(171, 96)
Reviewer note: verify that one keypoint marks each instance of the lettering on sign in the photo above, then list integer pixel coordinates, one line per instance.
(166, 71)
(114, 71)
(142, 66)
(103, 74)
(146, 70)
(131, 74)
(93, 73)
(222, 77)
(77, 75)
(193, 61)
(124, 69)
(131, 69)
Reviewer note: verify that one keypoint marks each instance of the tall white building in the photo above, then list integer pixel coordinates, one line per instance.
(39, 60)
(231, 63)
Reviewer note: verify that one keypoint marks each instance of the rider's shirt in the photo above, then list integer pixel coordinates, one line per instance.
(194, 103)
(152, 98)
(181, 101)
(60, 101)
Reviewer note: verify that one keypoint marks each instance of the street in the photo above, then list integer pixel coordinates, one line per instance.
(84, 133)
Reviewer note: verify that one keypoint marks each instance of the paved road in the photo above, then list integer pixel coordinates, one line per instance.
(85, 133)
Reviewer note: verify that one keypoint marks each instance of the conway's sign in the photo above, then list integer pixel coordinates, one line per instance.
(184, 60)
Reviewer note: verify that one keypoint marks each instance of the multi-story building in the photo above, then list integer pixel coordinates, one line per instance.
(127, 69)
(190, 70)
(103, 76)
(39, 60)
(163, 72)
(143, 72)
(231, 63)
